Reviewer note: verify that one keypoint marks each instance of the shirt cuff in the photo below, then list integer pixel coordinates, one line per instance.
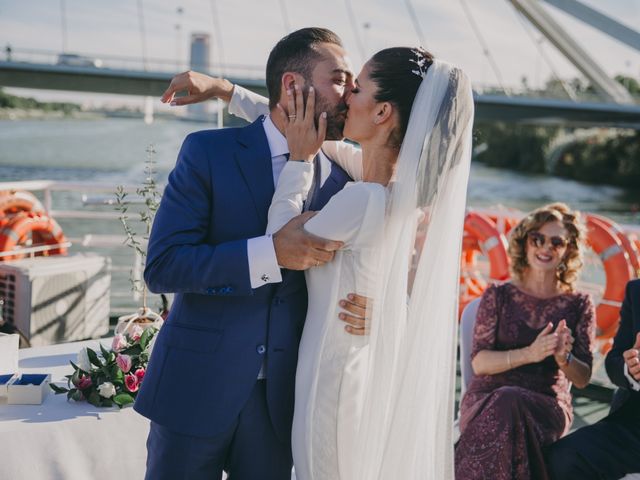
(263, 264)
(632, 381)
(247, 104)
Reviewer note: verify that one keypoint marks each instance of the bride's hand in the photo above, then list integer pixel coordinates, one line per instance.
(303, 137)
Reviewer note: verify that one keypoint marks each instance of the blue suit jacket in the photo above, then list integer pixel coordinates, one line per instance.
(208, 354)
(625, 398)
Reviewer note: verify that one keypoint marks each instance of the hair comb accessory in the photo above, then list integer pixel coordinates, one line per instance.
(421, 62)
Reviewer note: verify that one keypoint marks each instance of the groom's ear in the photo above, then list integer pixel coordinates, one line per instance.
(289, 79)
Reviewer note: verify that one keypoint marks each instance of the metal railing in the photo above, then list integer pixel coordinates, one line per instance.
(91, 225)
(114, 62)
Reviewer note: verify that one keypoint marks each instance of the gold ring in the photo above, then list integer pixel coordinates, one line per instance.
(292, 116)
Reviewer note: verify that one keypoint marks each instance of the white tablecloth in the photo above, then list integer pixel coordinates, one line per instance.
(68, 440)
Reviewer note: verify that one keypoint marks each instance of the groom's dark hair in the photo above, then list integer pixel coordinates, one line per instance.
(295, 53)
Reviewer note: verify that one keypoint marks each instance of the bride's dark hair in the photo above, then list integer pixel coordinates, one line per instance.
(398, 72)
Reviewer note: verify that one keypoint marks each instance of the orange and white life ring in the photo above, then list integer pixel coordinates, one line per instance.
(480, 235)
(618, 271)
(42, 229)
(633, 256)
(12, 202)
(490, 242)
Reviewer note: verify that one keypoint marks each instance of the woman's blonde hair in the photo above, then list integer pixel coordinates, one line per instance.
(568, 270)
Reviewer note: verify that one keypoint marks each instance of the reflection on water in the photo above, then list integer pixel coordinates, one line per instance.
(113, 150)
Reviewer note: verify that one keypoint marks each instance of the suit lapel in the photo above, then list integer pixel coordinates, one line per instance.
(254, 160)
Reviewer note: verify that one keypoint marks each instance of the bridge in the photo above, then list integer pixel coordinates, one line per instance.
(39, 70)
(613, 105)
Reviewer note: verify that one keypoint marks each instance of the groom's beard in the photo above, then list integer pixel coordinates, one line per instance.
(336, 115)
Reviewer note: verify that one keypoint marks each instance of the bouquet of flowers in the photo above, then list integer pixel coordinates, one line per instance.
(114, 376)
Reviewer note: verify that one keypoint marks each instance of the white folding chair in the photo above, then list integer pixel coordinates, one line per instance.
(467, 323)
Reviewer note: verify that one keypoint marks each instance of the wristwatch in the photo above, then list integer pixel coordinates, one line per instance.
(567, 359)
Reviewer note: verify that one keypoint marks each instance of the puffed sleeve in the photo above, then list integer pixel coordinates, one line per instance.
(484, 332)
(291, 192)
(348, 156)
(585, 330)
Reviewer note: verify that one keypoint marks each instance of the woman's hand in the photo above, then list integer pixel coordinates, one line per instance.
(544, 345)
(565, 343)
(303, 137)
(199, 87)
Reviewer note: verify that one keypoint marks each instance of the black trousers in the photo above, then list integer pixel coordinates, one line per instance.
(608, 449)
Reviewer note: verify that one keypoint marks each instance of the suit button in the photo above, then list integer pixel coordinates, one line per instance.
(261, 349)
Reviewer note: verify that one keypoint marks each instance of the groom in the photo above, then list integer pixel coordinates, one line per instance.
(609, 448)
(219, 389)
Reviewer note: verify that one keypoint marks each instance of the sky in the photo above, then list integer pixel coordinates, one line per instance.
(243, 32)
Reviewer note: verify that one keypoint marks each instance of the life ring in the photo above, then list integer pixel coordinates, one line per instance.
(618, 272)
(503, 223)
(480, 235)
(44, 230)
(489, 241)
(12, 202)
(627, 243)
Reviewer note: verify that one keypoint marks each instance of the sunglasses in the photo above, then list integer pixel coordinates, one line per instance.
(539, 240)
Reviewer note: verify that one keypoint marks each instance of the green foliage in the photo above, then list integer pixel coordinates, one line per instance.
(613, 160)
(85, 385)
(28, 103)
(630, 83)
(150, 196)
(518, 147)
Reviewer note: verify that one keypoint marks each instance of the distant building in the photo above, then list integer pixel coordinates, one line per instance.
(200, 54)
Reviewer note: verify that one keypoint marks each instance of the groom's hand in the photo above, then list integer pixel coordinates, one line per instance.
(296, 249)
(355, 314)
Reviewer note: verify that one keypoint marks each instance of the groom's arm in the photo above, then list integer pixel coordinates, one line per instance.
(179, 259)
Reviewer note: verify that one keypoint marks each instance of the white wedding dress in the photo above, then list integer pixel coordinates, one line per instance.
(380, 406)
(331, 362)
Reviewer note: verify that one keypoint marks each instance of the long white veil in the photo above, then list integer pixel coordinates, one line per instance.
(406, 431)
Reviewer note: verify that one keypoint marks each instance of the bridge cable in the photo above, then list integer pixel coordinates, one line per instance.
(63, 23)
(485, 47)
(416, 24)
(285, 16)
(143, 40)
(354, 27)
(218, 32)
(565, 86)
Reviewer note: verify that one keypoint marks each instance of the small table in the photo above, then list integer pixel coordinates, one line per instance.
(69, 440)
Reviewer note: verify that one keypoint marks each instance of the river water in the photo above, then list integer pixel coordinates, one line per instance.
(113, 151)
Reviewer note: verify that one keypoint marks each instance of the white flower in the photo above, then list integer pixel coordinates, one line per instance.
(107, 390)
(83, 360)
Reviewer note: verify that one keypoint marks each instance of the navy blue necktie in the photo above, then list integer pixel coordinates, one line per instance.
(314, 191)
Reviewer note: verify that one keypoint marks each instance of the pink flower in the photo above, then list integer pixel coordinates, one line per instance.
(131, 382)
(136, 333)
(139, 373)
(119, 343)
(84, 382)
(124, 362)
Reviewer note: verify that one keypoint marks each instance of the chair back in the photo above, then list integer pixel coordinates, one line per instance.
(467, 324)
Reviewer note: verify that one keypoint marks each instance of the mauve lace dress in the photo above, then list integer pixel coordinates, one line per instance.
(506, 419)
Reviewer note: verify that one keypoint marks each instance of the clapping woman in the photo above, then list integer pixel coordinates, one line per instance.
(532, 340)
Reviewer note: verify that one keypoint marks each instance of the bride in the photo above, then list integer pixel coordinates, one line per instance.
(380, 405)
